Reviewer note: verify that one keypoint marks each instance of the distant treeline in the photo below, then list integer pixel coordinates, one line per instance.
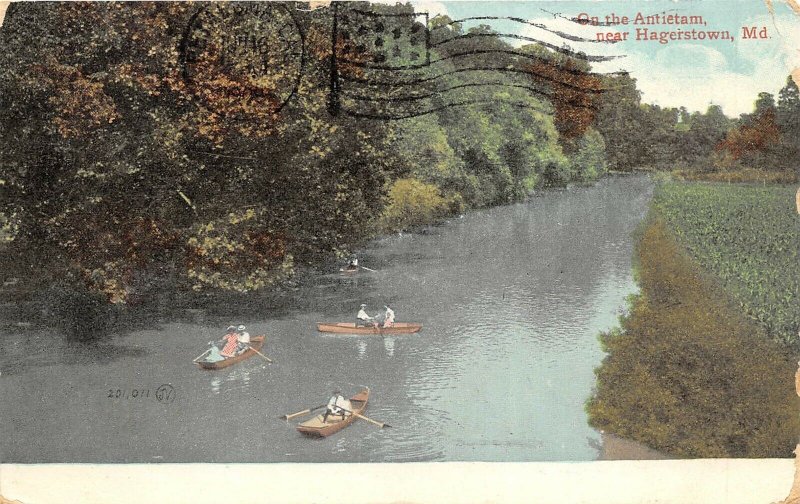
(646, 136)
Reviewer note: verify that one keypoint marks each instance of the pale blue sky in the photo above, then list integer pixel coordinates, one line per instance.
(690, 73)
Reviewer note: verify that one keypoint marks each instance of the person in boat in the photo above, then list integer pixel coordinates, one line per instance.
(230, 343)
(363, 319)
(388, 317)
(353, 264)
(338, 406)
(214, 355)
(243, 338)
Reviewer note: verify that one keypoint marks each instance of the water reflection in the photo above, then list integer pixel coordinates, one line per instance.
(388, 345)
(235, 379)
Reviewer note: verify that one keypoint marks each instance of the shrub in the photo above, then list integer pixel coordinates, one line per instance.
(413, 203)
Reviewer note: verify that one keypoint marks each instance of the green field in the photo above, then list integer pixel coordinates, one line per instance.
(749, 237)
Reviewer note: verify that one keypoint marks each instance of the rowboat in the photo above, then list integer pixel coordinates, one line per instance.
(316, 427)
(348, 271)
(350, 328)
(255, 342)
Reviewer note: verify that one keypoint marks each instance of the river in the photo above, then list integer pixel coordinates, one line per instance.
(512, 300)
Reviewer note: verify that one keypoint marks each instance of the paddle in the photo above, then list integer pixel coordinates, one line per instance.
(259, 353)
(369, 269)
(309, 410)
(357, 415)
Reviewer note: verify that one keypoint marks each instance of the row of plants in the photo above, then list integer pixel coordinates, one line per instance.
(748, 237)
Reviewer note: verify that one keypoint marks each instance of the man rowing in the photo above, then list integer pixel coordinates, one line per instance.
(338, 406)
(363, 319)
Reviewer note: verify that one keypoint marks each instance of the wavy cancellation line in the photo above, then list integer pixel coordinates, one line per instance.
(472, 52)
(410, 98)
(567, 36)
(423, 80)
(565, 51)
(409, 115)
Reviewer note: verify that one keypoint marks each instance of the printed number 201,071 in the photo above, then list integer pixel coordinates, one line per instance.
(128, 394)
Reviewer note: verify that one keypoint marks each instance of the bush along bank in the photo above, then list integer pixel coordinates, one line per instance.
(686, 373)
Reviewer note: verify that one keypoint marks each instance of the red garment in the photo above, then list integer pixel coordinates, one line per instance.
(229, 350)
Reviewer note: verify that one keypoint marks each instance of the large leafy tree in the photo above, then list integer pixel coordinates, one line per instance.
(117, 166)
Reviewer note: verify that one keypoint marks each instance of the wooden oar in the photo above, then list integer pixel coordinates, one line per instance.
(259, 353)
(362, 417)
(369, 269)
(305, 411)
(202, 354)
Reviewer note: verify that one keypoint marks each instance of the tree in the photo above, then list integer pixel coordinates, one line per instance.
(118, 166)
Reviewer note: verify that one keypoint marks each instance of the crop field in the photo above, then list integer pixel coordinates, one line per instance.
(749, 238)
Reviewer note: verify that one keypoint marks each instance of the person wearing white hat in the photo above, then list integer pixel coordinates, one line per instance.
(363, 319)
(243, 337)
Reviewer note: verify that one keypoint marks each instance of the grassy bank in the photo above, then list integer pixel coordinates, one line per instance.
(687, 373)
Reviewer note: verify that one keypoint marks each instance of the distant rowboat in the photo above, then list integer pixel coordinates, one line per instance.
(256, 342)
(317, 428)
(350, 328)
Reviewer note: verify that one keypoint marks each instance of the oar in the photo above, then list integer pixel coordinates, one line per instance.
(369, 269)
(305, 411)
(259, 353)
(202, 354)
(362, 417)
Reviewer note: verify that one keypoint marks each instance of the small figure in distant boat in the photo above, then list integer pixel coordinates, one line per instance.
(363, 319)
(388, 317)
(337, 405)
(243, 338)
(353, 264)
(231, 343)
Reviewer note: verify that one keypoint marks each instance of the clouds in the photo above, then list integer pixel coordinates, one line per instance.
(692, 73)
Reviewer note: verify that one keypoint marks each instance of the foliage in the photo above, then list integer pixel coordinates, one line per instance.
(114, 161)
(589, 162)
(412, 203)
(130, 136)
(686, 373)
(748, 237)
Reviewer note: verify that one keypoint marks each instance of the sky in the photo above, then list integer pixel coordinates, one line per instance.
(689, 73)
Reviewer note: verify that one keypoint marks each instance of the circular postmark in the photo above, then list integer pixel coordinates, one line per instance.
(243, 55)
(165, 393)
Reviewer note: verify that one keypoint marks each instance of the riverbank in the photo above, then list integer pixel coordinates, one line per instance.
(688, 372)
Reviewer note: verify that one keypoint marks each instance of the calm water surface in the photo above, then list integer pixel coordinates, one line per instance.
(512, 300)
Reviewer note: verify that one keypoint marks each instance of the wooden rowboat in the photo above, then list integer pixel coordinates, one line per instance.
(317, 428)
(350, 328)
(348, 271)
(255, 342)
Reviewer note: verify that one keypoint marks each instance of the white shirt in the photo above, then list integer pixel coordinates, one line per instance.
(362, 315)
(389, 316)
(244, 337)
(337, 403)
